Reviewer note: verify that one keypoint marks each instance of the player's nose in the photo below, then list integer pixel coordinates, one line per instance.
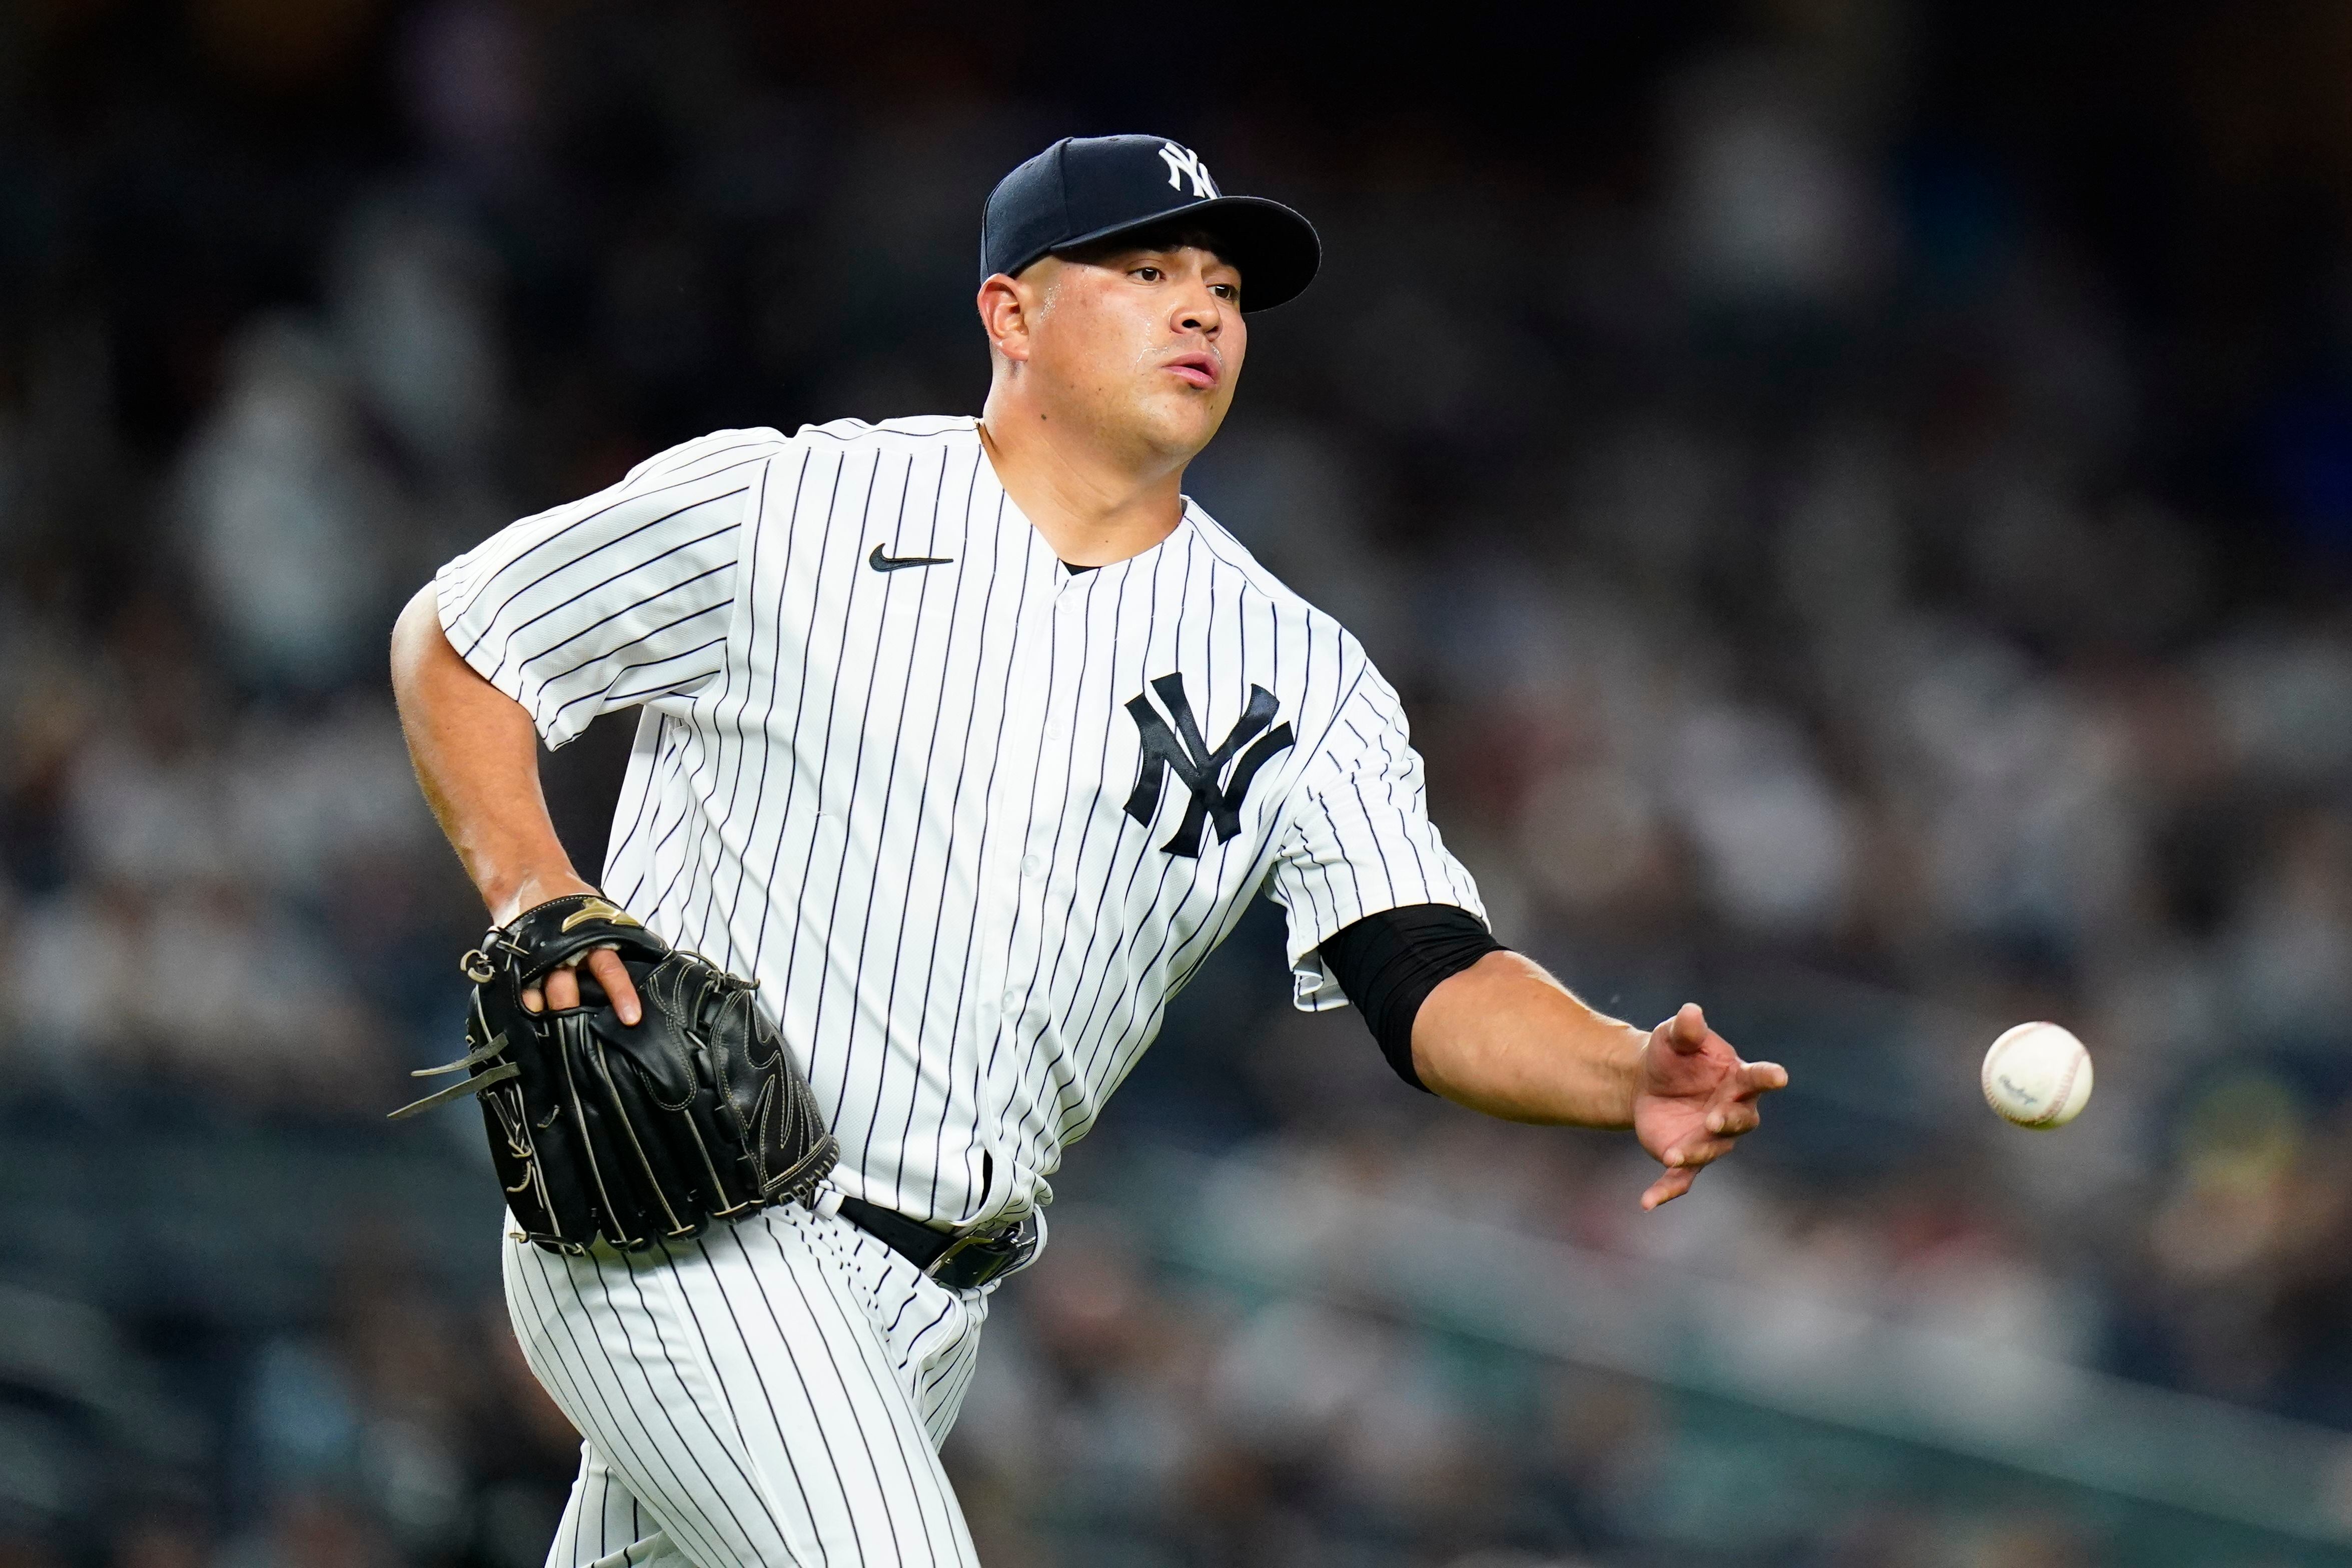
(1204, 315)
(1200, 311)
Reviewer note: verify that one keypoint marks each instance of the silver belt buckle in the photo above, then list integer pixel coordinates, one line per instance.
(1017, 1232)
(931, 1270)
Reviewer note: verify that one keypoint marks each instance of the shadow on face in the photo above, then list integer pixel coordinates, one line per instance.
(1138, 344)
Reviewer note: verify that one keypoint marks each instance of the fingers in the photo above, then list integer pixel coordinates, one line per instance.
(613, 976)
(1685, 1032)
(562, 989)
(1732, 1117)
(1683, 1165)
(1667, 1188)
(1734, 1109)
(1730, 1121)
(1697, 1153)
(1731, 1112)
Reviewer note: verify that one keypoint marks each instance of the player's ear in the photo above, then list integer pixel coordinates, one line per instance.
(1006, 314)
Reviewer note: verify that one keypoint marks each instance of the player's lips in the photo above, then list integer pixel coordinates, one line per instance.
(1197, 370)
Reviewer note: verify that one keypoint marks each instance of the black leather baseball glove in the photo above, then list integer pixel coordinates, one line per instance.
(639, 1135)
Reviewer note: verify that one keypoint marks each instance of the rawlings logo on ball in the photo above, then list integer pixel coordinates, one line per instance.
(2037, 1075)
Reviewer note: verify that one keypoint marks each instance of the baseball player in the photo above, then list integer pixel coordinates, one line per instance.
(967, 740)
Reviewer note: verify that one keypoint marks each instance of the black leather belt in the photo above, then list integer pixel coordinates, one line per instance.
(963, 1262)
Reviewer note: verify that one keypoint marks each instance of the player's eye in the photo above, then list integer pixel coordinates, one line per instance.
(1225, 291)
(1149, 273)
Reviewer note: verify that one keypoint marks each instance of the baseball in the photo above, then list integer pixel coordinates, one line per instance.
(2037, 1075)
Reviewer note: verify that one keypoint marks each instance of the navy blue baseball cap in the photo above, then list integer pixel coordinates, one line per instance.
(1083, 188)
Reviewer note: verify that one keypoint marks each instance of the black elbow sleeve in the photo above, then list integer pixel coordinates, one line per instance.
(1389, 962)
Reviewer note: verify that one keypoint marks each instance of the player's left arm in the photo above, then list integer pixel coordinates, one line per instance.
(1380, 909)
(1504, 1038)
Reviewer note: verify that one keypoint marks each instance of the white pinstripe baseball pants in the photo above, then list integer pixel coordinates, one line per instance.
(772, 1392)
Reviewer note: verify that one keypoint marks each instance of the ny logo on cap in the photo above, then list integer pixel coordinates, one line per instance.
(1183, 160)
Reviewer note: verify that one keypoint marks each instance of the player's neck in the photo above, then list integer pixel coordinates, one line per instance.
(1092, 507)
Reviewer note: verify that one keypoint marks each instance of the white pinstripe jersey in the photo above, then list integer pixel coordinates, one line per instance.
(969, 823)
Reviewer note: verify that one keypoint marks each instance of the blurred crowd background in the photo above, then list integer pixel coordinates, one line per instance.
(1857, 495)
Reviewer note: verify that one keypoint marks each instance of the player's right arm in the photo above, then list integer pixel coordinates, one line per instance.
(476, 756)
(622, 597)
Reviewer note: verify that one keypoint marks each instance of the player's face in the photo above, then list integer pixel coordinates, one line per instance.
(1145, 345)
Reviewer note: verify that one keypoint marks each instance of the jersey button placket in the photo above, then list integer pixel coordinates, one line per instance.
(1012, 807)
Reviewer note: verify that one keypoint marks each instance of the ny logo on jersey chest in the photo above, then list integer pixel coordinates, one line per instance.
(1216, 798)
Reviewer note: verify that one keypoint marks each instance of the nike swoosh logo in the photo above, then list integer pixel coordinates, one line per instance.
(881, 562)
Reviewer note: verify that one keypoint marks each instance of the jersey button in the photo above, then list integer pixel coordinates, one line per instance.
(1013, 1006)
(1032, 865)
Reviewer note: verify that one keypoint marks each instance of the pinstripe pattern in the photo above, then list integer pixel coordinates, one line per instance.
(773, 1393)
(898, 800)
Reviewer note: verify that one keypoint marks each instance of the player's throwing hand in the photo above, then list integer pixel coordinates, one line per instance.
(1695, 1097)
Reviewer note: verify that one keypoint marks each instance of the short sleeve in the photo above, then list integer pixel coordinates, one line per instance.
(1359, 839)
(620, 598)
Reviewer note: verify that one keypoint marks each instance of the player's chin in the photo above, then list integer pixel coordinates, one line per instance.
(1185, 421)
